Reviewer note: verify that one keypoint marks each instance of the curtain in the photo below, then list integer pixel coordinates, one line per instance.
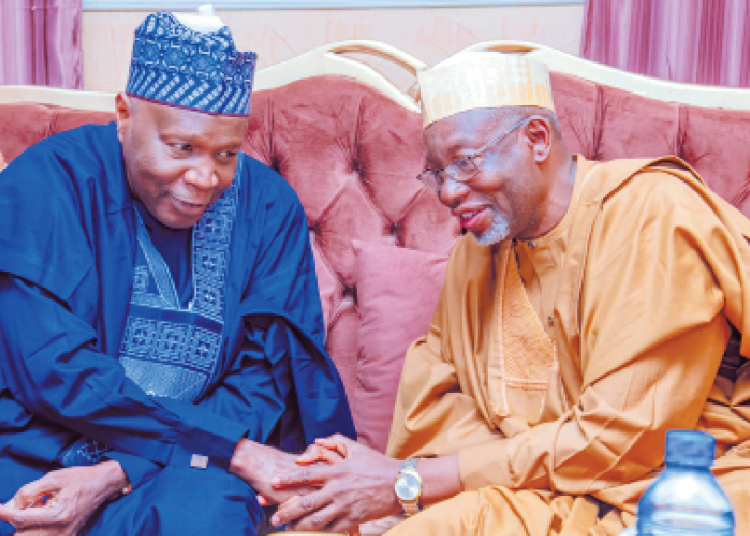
(699, 41)
(40, 42)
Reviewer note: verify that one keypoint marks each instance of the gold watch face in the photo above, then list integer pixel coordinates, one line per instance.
(407, 487)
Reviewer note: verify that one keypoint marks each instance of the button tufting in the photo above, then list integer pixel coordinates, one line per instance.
(275, 163)
(358, 168)
(350, 294)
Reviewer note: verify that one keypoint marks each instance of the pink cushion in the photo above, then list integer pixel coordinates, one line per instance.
(715, 143)
(397, 291)
(576, 103)
(24, 123)
(634, 126)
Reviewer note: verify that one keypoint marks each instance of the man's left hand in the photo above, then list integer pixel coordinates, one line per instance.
(357, 489)
(61, 502)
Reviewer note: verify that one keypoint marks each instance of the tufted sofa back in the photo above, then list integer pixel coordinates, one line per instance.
(353, 156)
(607, 123)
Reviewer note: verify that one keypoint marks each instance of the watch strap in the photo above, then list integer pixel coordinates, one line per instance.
(410, 508)
(409, 464)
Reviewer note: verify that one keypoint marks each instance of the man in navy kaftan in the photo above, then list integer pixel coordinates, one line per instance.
(159, 312)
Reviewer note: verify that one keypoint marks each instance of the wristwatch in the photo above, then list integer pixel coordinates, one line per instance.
(408, 487)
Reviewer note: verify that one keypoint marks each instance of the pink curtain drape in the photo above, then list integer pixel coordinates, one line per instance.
(698, 41)
(40, 42)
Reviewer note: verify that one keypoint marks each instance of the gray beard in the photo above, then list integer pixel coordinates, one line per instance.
(499, 231)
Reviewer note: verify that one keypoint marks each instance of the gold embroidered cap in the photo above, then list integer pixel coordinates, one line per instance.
(470, 80)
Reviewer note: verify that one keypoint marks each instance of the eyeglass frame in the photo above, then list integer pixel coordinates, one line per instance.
(441, 173)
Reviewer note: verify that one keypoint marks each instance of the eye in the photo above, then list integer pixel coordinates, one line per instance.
(461, 166)
(228, 154)
(183, 147)
(463, 163)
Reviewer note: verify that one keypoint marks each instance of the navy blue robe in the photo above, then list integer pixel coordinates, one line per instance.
(67, 250)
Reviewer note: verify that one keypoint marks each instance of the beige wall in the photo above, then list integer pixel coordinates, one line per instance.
(430, 34)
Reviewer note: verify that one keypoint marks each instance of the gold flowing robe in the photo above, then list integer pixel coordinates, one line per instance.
(635, 290)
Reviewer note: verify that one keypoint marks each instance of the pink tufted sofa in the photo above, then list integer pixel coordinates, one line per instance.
(352, 151)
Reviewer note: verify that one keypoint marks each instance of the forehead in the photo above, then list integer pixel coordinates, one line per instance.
(179, 121)
(466, 129)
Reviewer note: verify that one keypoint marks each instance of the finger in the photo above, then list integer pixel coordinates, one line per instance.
(311, 454)
(344, 525)
(289, 501)
(307, 476)
(44, 531)
(281, 496)
(336, 443)
(317, 521)
(34, 492)
(7, 512)
(331, 458)
(263, 501)
(49, 515)
(316, 453)
(291, 510)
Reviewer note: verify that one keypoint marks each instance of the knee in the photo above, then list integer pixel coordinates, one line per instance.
(185, 501)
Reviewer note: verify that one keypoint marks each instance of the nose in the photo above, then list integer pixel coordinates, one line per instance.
(452, 192)
(202, 174)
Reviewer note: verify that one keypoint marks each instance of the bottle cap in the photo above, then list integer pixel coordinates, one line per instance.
(690, 447)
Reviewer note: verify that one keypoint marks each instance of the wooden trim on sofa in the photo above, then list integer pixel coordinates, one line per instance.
(329, 59)
(98, 101)
(654, 88)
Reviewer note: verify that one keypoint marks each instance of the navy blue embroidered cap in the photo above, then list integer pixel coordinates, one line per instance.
(178, 66)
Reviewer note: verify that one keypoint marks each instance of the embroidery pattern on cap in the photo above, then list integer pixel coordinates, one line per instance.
(177, 65)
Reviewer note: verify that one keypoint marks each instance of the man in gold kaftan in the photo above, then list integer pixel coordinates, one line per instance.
(591, 308)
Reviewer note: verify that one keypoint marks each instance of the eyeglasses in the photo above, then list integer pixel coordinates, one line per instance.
(463, 168)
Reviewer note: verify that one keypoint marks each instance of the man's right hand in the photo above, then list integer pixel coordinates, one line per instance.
(258, 464)
(61, 502)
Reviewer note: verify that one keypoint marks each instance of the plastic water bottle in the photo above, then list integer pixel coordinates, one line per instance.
(685, 499)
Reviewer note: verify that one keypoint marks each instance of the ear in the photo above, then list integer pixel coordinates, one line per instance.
(123, 113)
(539, 137)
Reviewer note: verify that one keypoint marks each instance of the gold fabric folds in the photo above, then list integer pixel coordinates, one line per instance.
(638, 327)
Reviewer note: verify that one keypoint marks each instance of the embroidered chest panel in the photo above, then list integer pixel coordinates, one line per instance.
(169, 350)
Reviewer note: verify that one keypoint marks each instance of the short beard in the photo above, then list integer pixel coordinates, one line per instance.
(499, 231)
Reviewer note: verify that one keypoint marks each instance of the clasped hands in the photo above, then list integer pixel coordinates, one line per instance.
(335, 485)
